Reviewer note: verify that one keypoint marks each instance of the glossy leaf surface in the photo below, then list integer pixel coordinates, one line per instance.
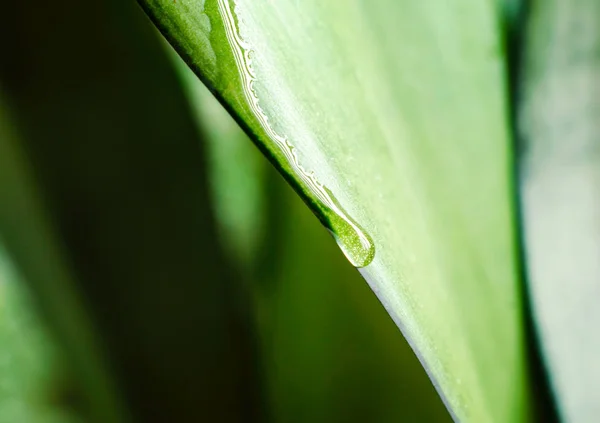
(389, 119)
(329, 351)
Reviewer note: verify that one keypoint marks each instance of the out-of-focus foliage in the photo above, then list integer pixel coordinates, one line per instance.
(105, 210)
(560, 180)
(399, 108)
(237, 173)
(34, 384)
(29, 236)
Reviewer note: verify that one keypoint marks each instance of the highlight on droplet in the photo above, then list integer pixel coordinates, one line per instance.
(355, 243)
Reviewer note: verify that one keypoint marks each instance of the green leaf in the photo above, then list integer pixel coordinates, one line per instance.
(35, 386)
(324, 336)
(330, 352)
(389, 119)
(27, 232)
(560, 183)
(105, 212)
(236, 172)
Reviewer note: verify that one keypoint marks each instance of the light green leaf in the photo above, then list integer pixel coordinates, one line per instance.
(389, 119)
(324, 337)
(560, 187)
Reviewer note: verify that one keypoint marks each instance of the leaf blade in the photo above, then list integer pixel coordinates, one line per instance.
(324, 336)
(399, 109)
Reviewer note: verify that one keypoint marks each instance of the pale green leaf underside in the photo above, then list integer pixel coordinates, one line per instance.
(398, 107)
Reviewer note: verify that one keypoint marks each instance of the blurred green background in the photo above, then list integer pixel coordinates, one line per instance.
(209, 289)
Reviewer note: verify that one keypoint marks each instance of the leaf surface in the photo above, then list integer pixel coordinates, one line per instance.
(324, 336)
(389, 119)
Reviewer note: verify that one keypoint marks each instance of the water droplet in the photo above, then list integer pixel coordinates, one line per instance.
(355, 243)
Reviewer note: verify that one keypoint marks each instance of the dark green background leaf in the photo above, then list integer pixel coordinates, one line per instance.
(106, 213)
